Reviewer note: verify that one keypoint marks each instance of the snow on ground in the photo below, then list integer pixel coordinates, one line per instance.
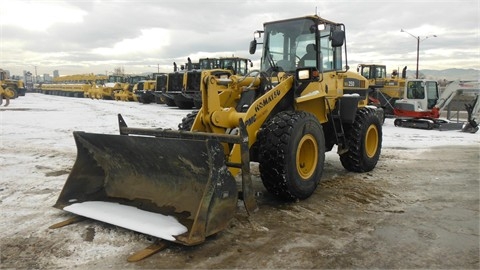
(50, 120)
(37, 151)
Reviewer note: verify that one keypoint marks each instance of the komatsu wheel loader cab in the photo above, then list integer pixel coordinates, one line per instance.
(301, 103)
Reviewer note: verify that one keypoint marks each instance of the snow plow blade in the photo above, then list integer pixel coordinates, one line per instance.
(167, 186)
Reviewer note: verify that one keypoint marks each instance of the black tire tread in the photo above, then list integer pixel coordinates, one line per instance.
(354, 159)
(273, 141)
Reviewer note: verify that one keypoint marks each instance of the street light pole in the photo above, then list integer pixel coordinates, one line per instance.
(158, 67)
(418, 47)
(418, 56)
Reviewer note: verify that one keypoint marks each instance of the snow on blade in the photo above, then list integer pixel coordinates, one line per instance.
(129, 217)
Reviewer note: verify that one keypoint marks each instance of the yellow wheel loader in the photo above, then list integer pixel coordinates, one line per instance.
(10, 89)
(127, 93)
(385, 91)
(6, 93)
(182, 185)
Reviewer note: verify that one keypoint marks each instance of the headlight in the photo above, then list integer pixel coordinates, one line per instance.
(307, 74)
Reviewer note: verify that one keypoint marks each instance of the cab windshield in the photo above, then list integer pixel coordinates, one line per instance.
(292, 44)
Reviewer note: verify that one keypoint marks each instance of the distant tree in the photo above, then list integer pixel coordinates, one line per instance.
(118, 71)
(442, 83)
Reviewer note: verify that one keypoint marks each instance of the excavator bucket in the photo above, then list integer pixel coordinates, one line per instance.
(169, 187)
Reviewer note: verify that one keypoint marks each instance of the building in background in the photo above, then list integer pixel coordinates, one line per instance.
(28, 79)
(47, 78)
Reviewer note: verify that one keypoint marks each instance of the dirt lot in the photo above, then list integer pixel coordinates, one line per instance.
(417, 209)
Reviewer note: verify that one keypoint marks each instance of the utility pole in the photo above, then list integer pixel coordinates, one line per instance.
(418, 46)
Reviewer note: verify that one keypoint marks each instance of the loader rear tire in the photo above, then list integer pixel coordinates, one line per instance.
(291, 155)
(364, 141)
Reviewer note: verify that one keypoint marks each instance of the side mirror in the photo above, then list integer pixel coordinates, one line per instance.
(253, 46)
(338, 38)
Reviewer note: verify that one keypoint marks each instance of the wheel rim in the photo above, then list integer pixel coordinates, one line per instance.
(307, 156)
(10, 92)
(371, 141)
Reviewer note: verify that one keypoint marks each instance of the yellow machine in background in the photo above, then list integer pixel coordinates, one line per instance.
(72, 85)
(7, 94)
(107, 89)
(144, 90)
(128, 88)
(385, 90)
(300, 104)
(9, 88)
(191, 94)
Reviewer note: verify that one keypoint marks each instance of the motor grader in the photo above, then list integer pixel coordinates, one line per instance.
(284, 116)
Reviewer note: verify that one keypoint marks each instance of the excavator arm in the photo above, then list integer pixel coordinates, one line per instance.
(454, 89)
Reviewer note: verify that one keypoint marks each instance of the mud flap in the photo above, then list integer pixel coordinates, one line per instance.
(183, 179)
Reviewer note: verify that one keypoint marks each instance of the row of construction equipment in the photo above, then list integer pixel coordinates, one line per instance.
(182, 88)
(179, 88)
(414, 102)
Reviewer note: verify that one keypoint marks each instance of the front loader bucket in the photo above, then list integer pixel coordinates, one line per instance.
(175, 189)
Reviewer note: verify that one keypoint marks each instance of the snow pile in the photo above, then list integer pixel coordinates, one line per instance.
(129, 217)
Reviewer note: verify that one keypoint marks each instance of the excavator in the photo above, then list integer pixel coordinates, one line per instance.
(422, 104)
(184, 185)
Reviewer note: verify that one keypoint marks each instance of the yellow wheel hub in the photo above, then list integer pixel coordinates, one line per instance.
(9, 93)
(307, 156)
(371, 141)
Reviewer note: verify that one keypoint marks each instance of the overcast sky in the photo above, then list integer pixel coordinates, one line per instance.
(84, 36)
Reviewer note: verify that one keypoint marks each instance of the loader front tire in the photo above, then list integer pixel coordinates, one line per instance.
(364, 141)
(291, 155)
(187, 121)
